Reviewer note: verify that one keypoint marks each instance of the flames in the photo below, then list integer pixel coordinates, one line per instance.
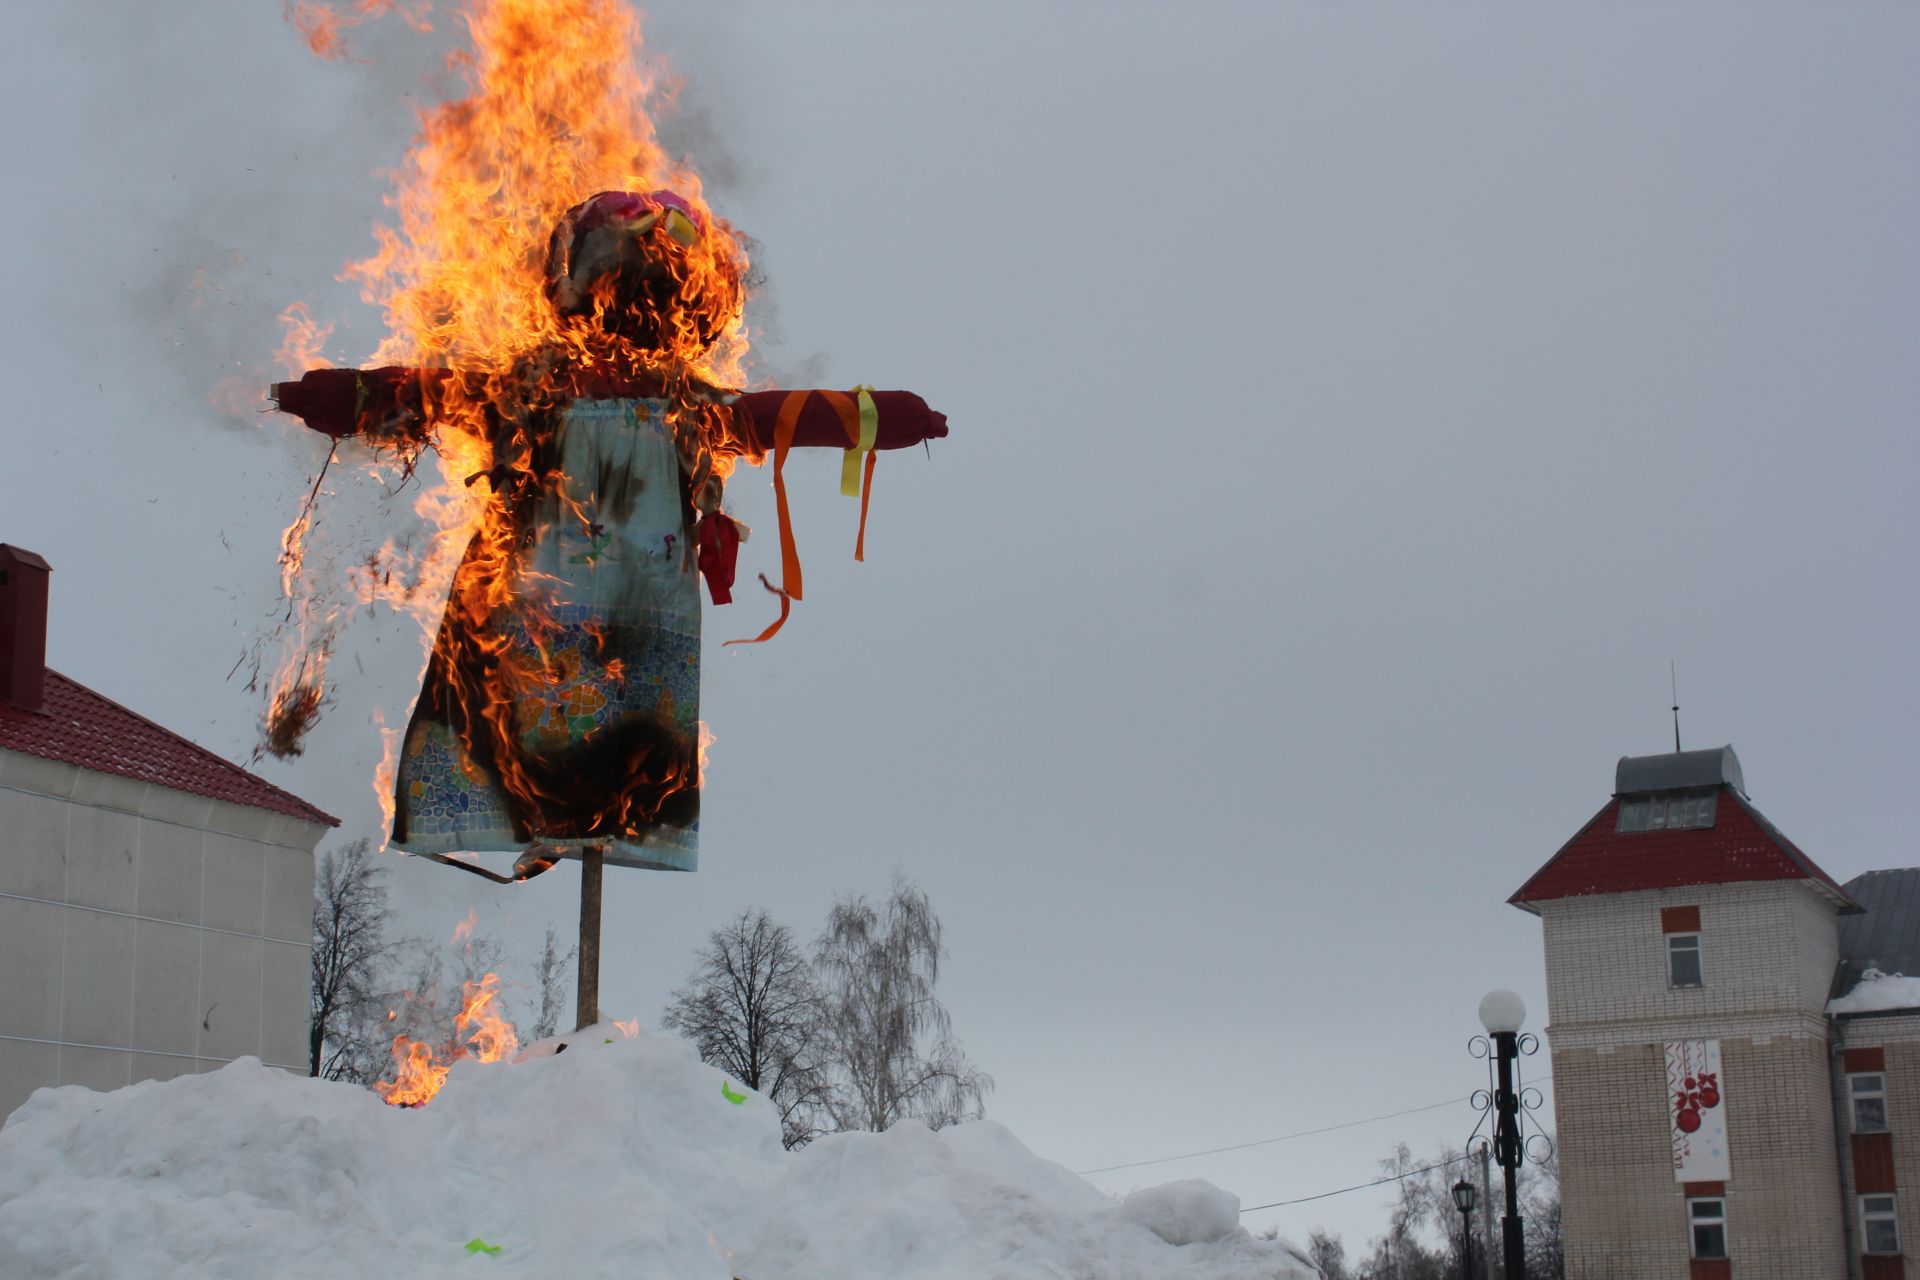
(556, 108)
(480, 1031)
(324, 26)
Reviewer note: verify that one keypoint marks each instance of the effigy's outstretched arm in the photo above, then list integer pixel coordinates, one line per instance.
(398, 405)
(833, 419)
(860, 422)
(397, 402)
(393, 403)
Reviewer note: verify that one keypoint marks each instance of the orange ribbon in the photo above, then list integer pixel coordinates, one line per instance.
(791, 584)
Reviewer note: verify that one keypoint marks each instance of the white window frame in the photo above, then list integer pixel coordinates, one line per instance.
(1888, 1212)
(1699, 958)
(1695, 1221)
(1858, 1092)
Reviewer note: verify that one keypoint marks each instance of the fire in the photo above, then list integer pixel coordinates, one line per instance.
(556, 108)
(480, 1032)
(324, 27)
(630, 1029)
(303, 341)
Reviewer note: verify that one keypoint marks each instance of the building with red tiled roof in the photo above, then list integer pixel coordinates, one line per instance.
(155, 899)
(77, 726)
(1717, 1114)
(1716, 836)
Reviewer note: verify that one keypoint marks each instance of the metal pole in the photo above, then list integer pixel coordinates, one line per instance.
(587, 1007)
(1506, 1142)
(1486, 1214)
(1466, 1244)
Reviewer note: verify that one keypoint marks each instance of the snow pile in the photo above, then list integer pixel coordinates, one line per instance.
(616, 1157)
(1187, 1212)
(1877, 991)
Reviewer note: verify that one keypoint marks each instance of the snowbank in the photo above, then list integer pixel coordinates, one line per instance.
(1877, 991)
(1186, 1212)
(610, 1159)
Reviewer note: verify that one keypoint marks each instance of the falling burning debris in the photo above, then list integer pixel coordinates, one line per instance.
(294, 710)
(569, 360)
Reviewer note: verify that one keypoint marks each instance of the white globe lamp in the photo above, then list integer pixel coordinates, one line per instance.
(1502, 1011)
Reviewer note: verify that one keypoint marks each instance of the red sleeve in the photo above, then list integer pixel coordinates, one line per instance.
(904, 419)
(374, 402)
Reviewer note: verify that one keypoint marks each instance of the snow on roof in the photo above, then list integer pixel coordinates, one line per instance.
(1878, 992)
(77, 726)
(1887, 936)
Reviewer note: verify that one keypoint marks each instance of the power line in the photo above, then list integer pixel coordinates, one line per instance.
(1377, 1182)
(1285, 1137)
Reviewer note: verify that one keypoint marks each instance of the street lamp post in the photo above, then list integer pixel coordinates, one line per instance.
(1501, 1013)
(1463, 1198)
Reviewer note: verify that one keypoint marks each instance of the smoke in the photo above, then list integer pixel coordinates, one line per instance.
(203, 247)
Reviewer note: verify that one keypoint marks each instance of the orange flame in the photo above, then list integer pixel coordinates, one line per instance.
(323, 26)
(303, 342)
(629, 1029)
(480, 1032)
(557, 109)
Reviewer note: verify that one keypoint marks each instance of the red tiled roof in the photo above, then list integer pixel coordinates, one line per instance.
(77, 726)
(1740, 845)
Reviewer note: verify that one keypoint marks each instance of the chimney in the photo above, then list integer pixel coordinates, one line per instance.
(23, 627)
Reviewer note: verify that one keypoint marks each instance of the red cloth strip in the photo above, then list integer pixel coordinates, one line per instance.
(866, 496)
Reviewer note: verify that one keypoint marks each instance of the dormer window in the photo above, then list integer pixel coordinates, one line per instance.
(1667, 811)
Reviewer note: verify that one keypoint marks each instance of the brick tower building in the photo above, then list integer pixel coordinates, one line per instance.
(1705, 1096)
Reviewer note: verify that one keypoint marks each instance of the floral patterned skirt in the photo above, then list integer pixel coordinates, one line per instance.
(600, 671)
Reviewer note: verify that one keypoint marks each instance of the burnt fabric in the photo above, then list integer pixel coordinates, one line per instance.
(597, 643)
(601, 649)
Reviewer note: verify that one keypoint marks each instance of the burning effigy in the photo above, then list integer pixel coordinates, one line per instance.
(565, 330)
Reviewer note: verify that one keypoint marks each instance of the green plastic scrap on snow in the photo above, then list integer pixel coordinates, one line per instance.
(726, 1091)
(477, 1245)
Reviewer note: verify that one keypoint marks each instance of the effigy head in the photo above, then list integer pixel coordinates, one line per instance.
(648, 267)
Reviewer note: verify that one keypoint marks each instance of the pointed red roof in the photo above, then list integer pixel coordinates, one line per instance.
(77, 726)
(1740, 845)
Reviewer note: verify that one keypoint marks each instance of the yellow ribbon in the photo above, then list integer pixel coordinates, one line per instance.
(851, 459)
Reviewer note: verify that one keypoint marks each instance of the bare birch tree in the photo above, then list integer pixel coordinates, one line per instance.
(889, 1048)
(752, 1009)
(347, 1036)
(550, 972)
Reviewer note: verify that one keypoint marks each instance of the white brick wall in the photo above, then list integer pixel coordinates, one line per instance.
(1898, 1036)
(1768, 952)
(145, 932)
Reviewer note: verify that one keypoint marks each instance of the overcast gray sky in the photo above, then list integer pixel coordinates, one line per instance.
(1355, 408)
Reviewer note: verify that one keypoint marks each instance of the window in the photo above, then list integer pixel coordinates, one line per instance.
(1668, 811)
(1869, 1095)
(1707, 1219)
(1879, 1224)
(1683, 960)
